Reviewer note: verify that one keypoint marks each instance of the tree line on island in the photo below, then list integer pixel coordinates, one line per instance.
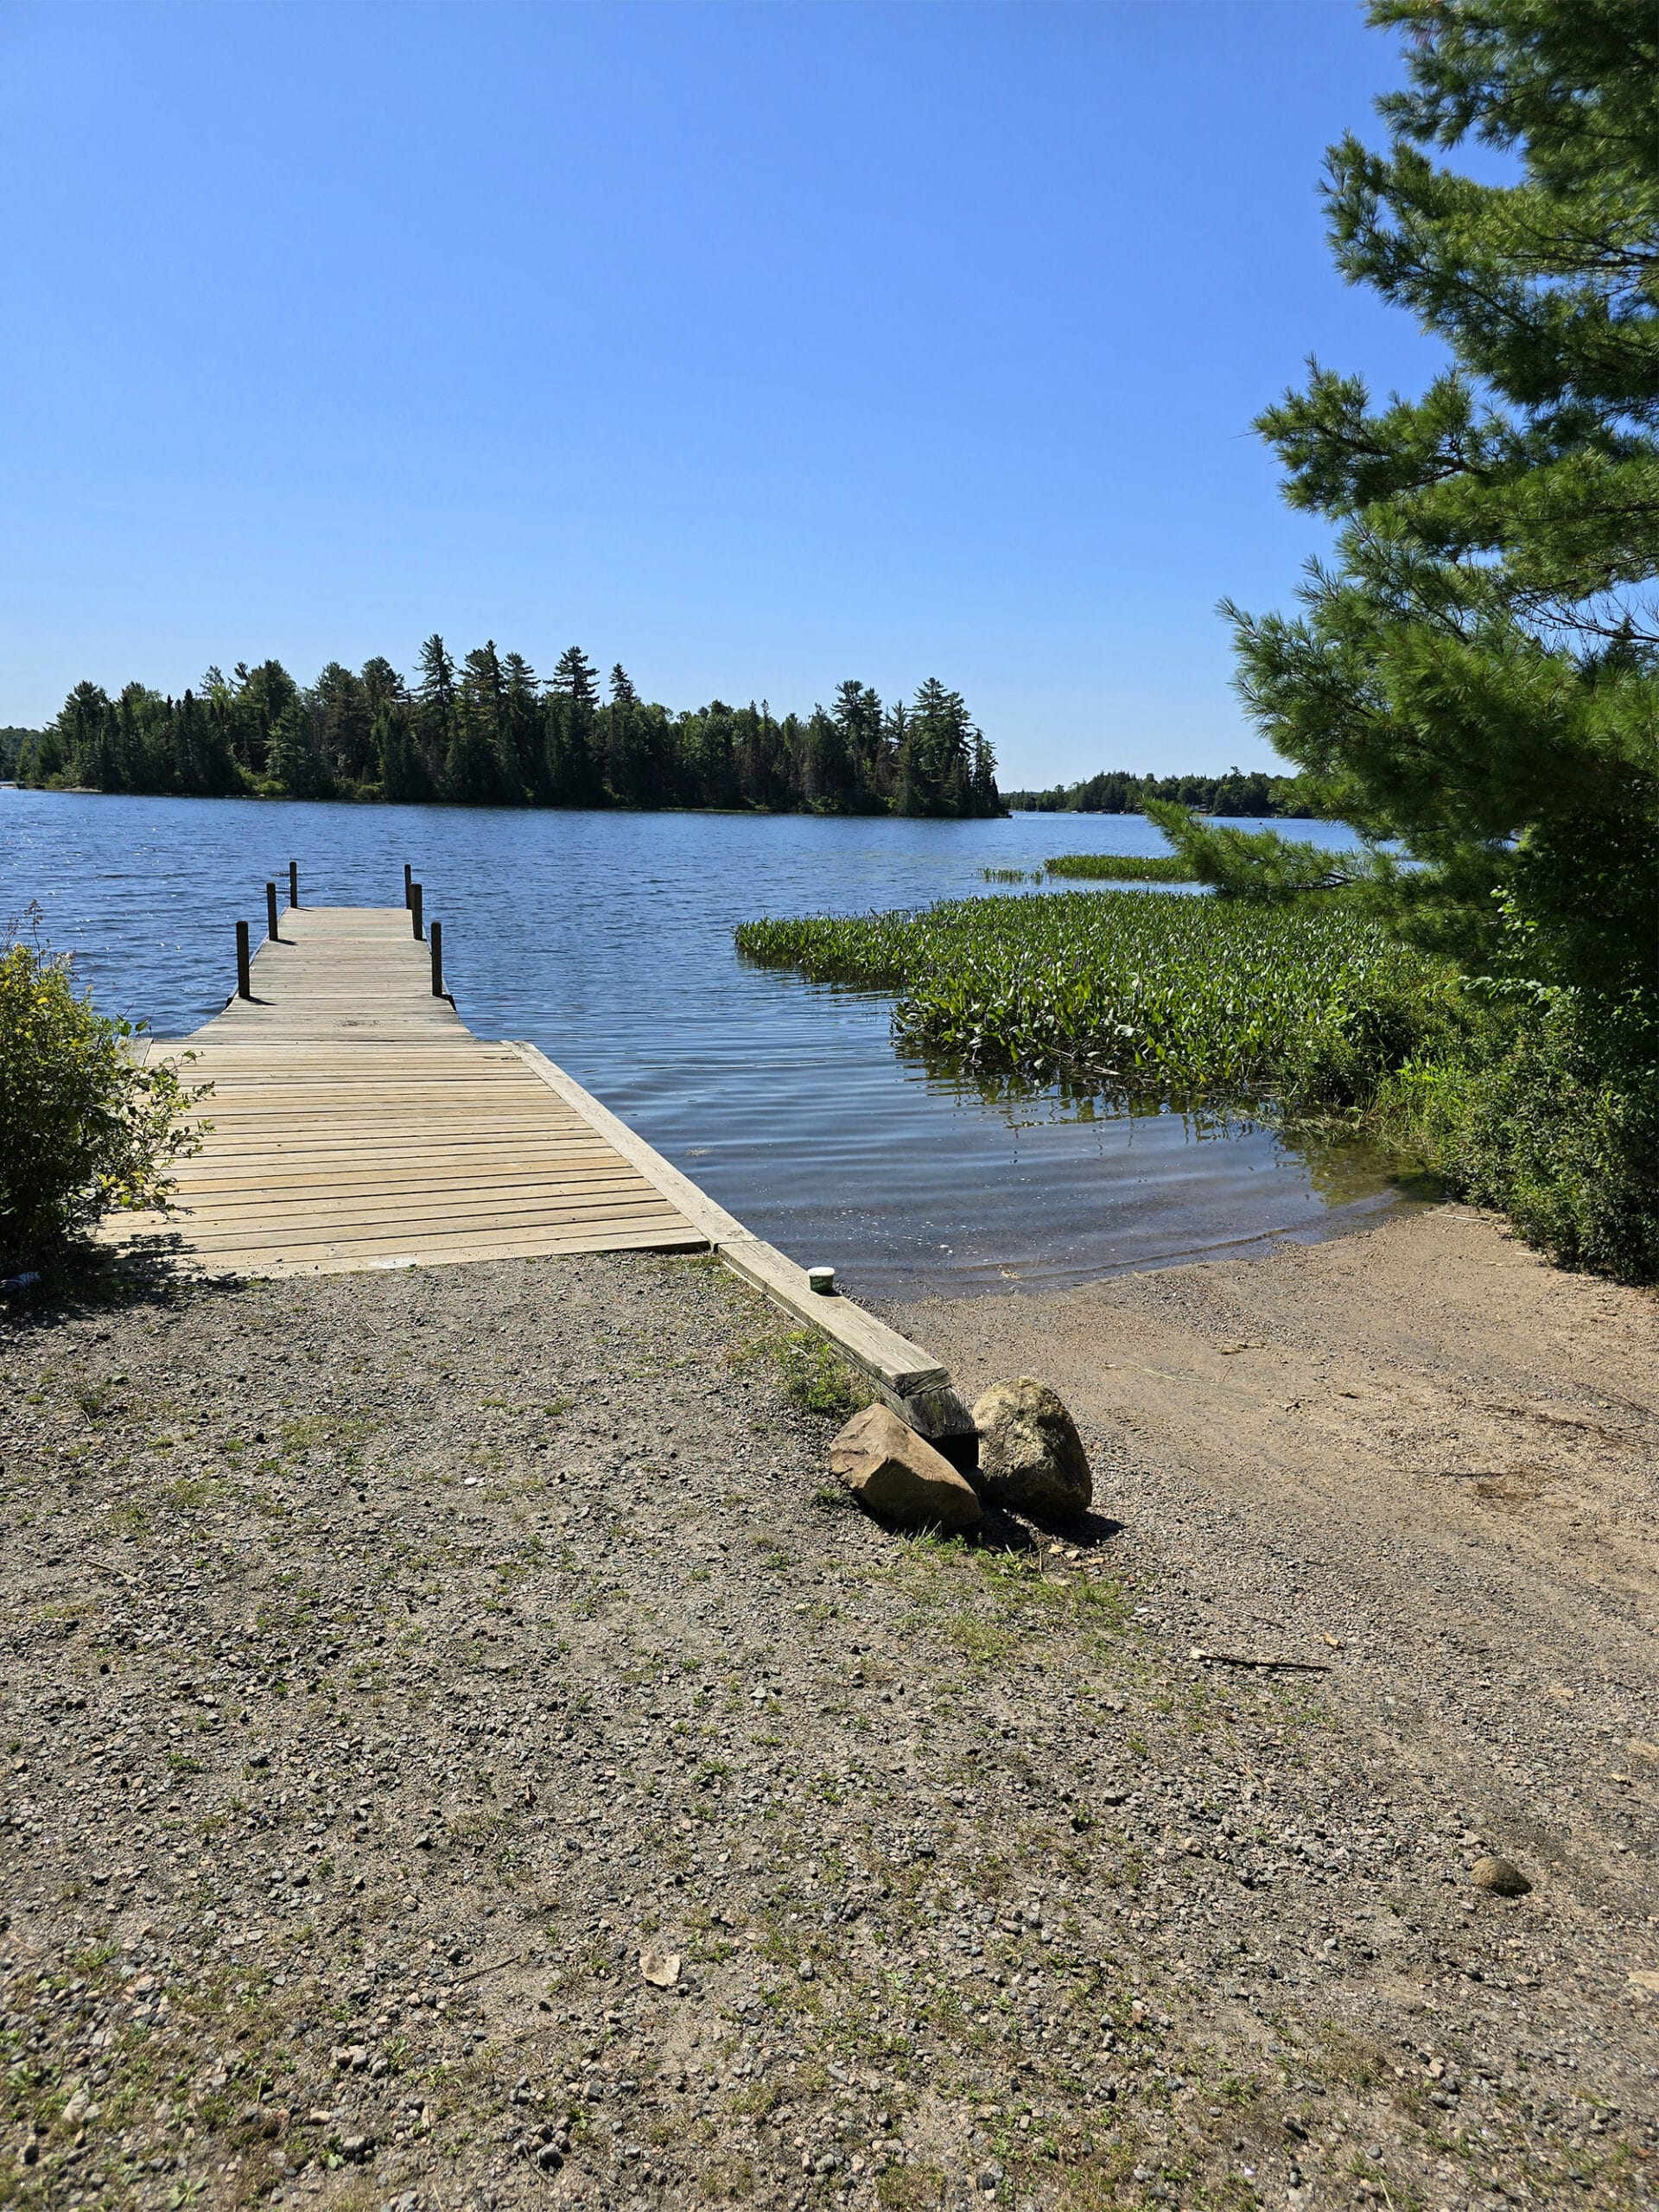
(1252, 791)
(486, 731)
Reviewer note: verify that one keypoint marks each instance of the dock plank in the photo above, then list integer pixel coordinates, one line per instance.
(355, 1121)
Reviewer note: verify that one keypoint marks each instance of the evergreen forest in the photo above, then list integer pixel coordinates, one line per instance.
(13, 743)
(486, 731)
(1119, 790)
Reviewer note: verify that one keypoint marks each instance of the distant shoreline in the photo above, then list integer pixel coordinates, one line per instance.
(726, 813)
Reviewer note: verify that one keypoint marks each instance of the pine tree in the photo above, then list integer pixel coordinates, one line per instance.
(473, 773)
(576, 765)
(399, 770)
(863, 728)
(79, 736)
(760, 765)
(187, 759)
(574, 677)
(522, 759)
(294, 755)
(346, 723)
(260, 697)
(434, 695)
(382, 685)
(1477, 673)
(627, 761)
(135, 712)
(48, 759)
(220, 776)
(829, 776)
(933, 761)
(986, 799)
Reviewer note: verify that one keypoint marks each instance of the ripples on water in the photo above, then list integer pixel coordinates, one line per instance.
(607, 940)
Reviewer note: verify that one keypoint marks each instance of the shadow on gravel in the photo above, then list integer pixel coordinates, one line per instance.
(999, 1531)
(89, 1280)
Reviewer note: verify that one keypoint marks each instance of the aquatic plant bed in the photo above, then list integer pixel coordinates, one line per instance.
(1310, 1002)
(1121, 868)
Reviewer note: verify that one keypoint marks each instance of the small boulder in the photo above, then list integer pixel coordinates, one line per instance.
(897, 1476)
(1500, 1876)
(1031, 1457)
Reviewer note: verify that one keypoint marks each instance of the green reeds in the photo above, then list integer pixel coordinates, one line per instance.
(1121, 868)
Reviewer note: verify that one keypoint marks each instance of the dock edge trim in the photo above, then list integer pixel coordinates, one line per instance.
(901, 1370)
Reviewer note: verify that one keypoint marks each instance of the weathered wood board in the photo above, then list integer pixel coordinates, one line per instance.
(355, 1122)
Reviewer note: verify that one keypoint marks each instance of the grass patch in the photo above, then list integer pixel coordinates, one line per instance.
(326, 1431)
(728, 2180)
(996, 1607)
(811, 1372)
(192, 1493)
(911, 2188)
(1305, 1005)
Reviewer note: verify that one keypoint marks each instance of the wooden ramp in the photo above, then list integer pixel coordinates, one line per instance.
(355, 1122)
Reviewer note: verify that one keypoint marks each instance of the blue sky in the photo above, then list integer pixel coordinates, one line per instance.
(753, 346)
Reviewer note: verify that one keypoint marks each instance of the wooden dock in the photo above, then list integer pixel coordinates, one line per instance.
(356, 1121)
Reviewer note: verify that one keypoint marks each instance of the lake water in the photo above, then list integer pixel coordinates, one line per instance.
(607, 940)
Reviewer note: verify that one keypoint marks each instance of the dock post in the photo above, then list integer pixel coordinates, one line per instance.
(408, 883)
(271, 912)
(244, 986)
(437, 960)
(293, 883)
(415, 896)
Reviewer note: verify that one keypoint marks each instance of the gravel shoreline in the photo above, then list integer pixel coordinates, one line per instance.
(392, 1660)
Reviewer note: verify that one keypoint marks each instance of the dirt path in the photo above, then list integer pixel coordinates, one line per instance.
(394, 1667)
(1423, 1440)
(1427, 1447)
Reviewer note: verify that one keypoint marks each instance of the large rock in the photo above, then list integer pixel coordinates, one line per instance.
(898, 1477)
(1031, 1457)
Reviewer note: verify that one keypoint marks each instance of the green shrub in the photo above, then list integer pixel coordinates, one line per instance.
(83, 1127)
(1549, 1119)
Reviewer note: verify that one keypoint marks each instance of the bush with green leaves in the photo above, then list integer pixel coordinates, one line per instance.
(1551, 1123)
(83, 1126)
